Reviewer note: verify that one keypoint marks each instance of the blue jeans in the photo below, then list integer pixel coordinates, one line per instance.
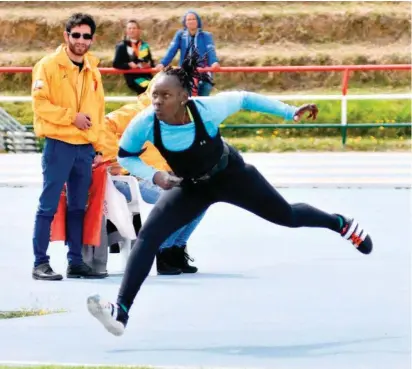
(123, 188)
(63, 163)
(151, 193)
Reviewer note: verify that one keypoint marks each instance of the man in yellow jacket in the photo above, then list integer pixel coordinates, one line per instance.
(172, 257)
(68, 106)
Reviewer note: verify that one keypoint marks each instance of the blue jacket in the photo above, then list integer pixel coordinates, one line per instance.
(181, 41)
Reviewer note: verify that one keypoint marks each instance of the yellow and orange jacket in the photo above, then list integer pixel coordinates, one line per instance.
(116, 123)
(59, 92)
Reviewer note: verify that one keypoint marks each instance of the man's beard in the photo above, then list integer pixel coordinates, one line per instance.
(79, 51)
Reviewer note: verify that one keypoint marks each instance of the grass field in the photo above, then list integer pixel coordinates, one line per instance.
(313, 144)
(362, 111)
(23, 313)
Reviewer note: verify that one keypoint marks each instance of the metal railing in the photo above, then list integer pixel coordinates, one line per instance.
(19, 141)
(343, 97)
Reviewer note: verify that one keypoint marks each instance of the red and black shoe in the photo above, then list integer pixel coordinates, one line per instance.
(355, 234)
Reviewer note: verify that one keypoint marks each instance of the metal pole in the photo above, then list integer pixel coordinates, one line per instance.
(344, 106)
(344, 118)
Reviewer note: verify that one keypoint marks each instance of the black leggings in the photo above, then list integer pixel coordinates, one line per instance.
(239, 184)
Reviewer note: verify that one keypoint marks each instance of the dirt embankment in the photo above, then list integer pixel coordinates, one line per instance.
(257, 33)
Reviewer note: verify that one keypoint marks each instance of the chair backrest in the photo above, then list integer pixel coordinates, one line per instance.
(143, 208)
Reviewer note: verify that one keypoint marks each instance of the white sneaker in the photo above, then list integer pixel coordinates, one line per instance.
(106, 313)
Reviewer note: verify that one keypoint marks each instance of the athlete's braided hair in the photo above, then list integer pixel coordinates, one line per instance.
(187, 73)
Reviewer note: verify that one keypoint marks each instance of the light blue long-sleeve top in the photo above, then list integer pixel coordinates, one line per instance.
(213, 110)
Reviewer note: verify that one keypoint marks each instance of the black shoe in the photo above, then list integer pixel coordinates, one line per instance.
(102, 274)
(165, 261)
(356, 235)
(83, 271)
(44, 272)
(181, 260)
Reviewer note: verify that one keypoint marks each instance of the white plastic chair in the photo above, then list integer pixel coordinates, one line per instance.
(136, 205)
(133, 205)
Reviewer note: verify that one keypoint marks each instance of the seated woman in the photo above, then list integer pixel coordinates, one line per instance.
(134, 53)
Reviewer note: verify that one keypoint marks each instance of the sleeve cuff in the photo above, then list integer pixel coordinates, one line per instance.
(72, 115)
(292, 111)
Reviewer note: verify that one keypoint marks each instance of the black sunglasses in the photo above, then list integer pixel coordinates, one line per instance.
(76, 35)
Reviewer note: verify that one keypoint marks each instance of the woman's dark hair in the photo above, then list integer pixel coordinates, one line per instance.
(133, 21)
(79, 19)
(187, 73)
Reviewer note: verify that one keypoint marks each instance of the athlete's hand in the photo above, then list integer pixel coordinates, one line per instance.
(165, 180)
(311, 108)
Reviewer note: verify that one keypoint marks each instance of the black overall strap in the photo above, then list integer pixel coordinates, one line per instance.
(157, 139)
(200, 129)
